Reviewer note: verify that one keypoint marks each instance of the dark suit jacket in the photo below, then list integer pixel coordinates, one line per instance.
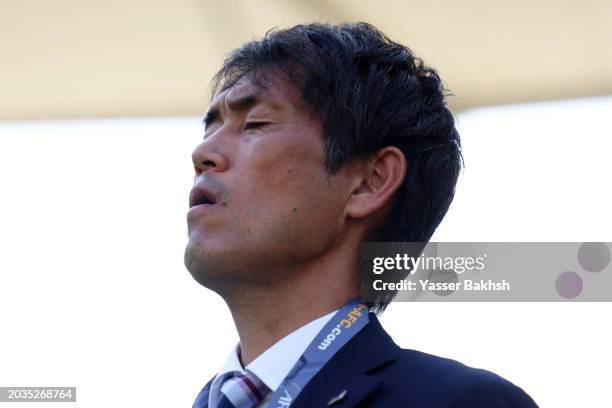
(375, 372)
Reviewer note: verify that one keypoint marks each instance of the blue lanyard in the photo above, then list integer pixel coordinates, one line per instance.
(343, 325)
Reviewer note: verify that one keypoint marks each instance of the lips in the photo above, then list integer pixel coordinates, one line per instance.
(201, 196)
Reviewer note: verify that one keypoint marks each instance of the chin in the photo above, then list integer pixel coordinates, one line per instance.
(197, 261)
(210, 267)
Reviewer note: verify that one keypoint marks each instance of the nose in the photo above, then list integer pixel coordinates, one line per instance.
(207, 157)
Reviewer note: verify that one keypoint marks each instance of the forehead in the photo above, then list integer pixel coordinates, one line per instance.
(271, 90)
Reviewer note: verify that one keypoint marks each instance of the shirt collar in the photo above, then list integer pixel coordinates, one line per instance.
(273, 365)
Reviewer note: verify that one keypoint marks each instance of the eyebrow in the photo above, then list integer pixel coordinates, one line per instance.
(239, 105)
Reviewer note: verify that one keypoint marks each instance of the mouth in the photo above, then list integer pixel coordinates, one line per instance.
(201, 197)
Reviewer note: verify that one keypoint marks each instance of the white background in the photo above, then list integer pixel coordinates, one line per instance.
(94, 294)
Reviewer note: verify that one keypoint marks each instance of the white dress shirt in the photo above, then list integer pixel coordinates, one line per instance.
(273, 365)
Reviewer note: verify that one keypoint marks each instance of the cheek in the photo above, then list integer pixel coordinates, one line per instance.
(283, 185)
(298, 216)
(281, 167)
(304, 231)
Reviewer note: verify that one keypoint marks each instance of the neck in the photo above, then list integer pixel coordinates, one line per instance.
(265, 314)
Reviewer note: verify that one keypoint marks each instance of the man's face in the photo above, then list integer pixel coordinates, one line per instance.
(262, 164)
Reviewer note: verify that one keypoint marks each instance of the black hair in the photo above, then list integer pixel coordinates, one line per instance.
(369, 92)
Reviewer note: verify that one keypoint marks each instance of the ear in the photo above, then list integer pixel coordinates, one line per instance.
(373, 186)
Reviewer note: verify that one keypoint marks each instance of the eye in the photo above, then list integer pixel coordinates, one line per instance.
(254, 125)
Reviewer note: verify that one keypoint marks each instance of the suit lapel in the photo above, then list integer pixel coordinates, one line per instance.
(344, 379)
(336, 382)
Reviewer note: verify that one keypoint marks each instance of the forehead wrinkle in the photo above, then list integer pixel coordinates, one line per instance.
(223, 103)
(254, 95)
(246, 101)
